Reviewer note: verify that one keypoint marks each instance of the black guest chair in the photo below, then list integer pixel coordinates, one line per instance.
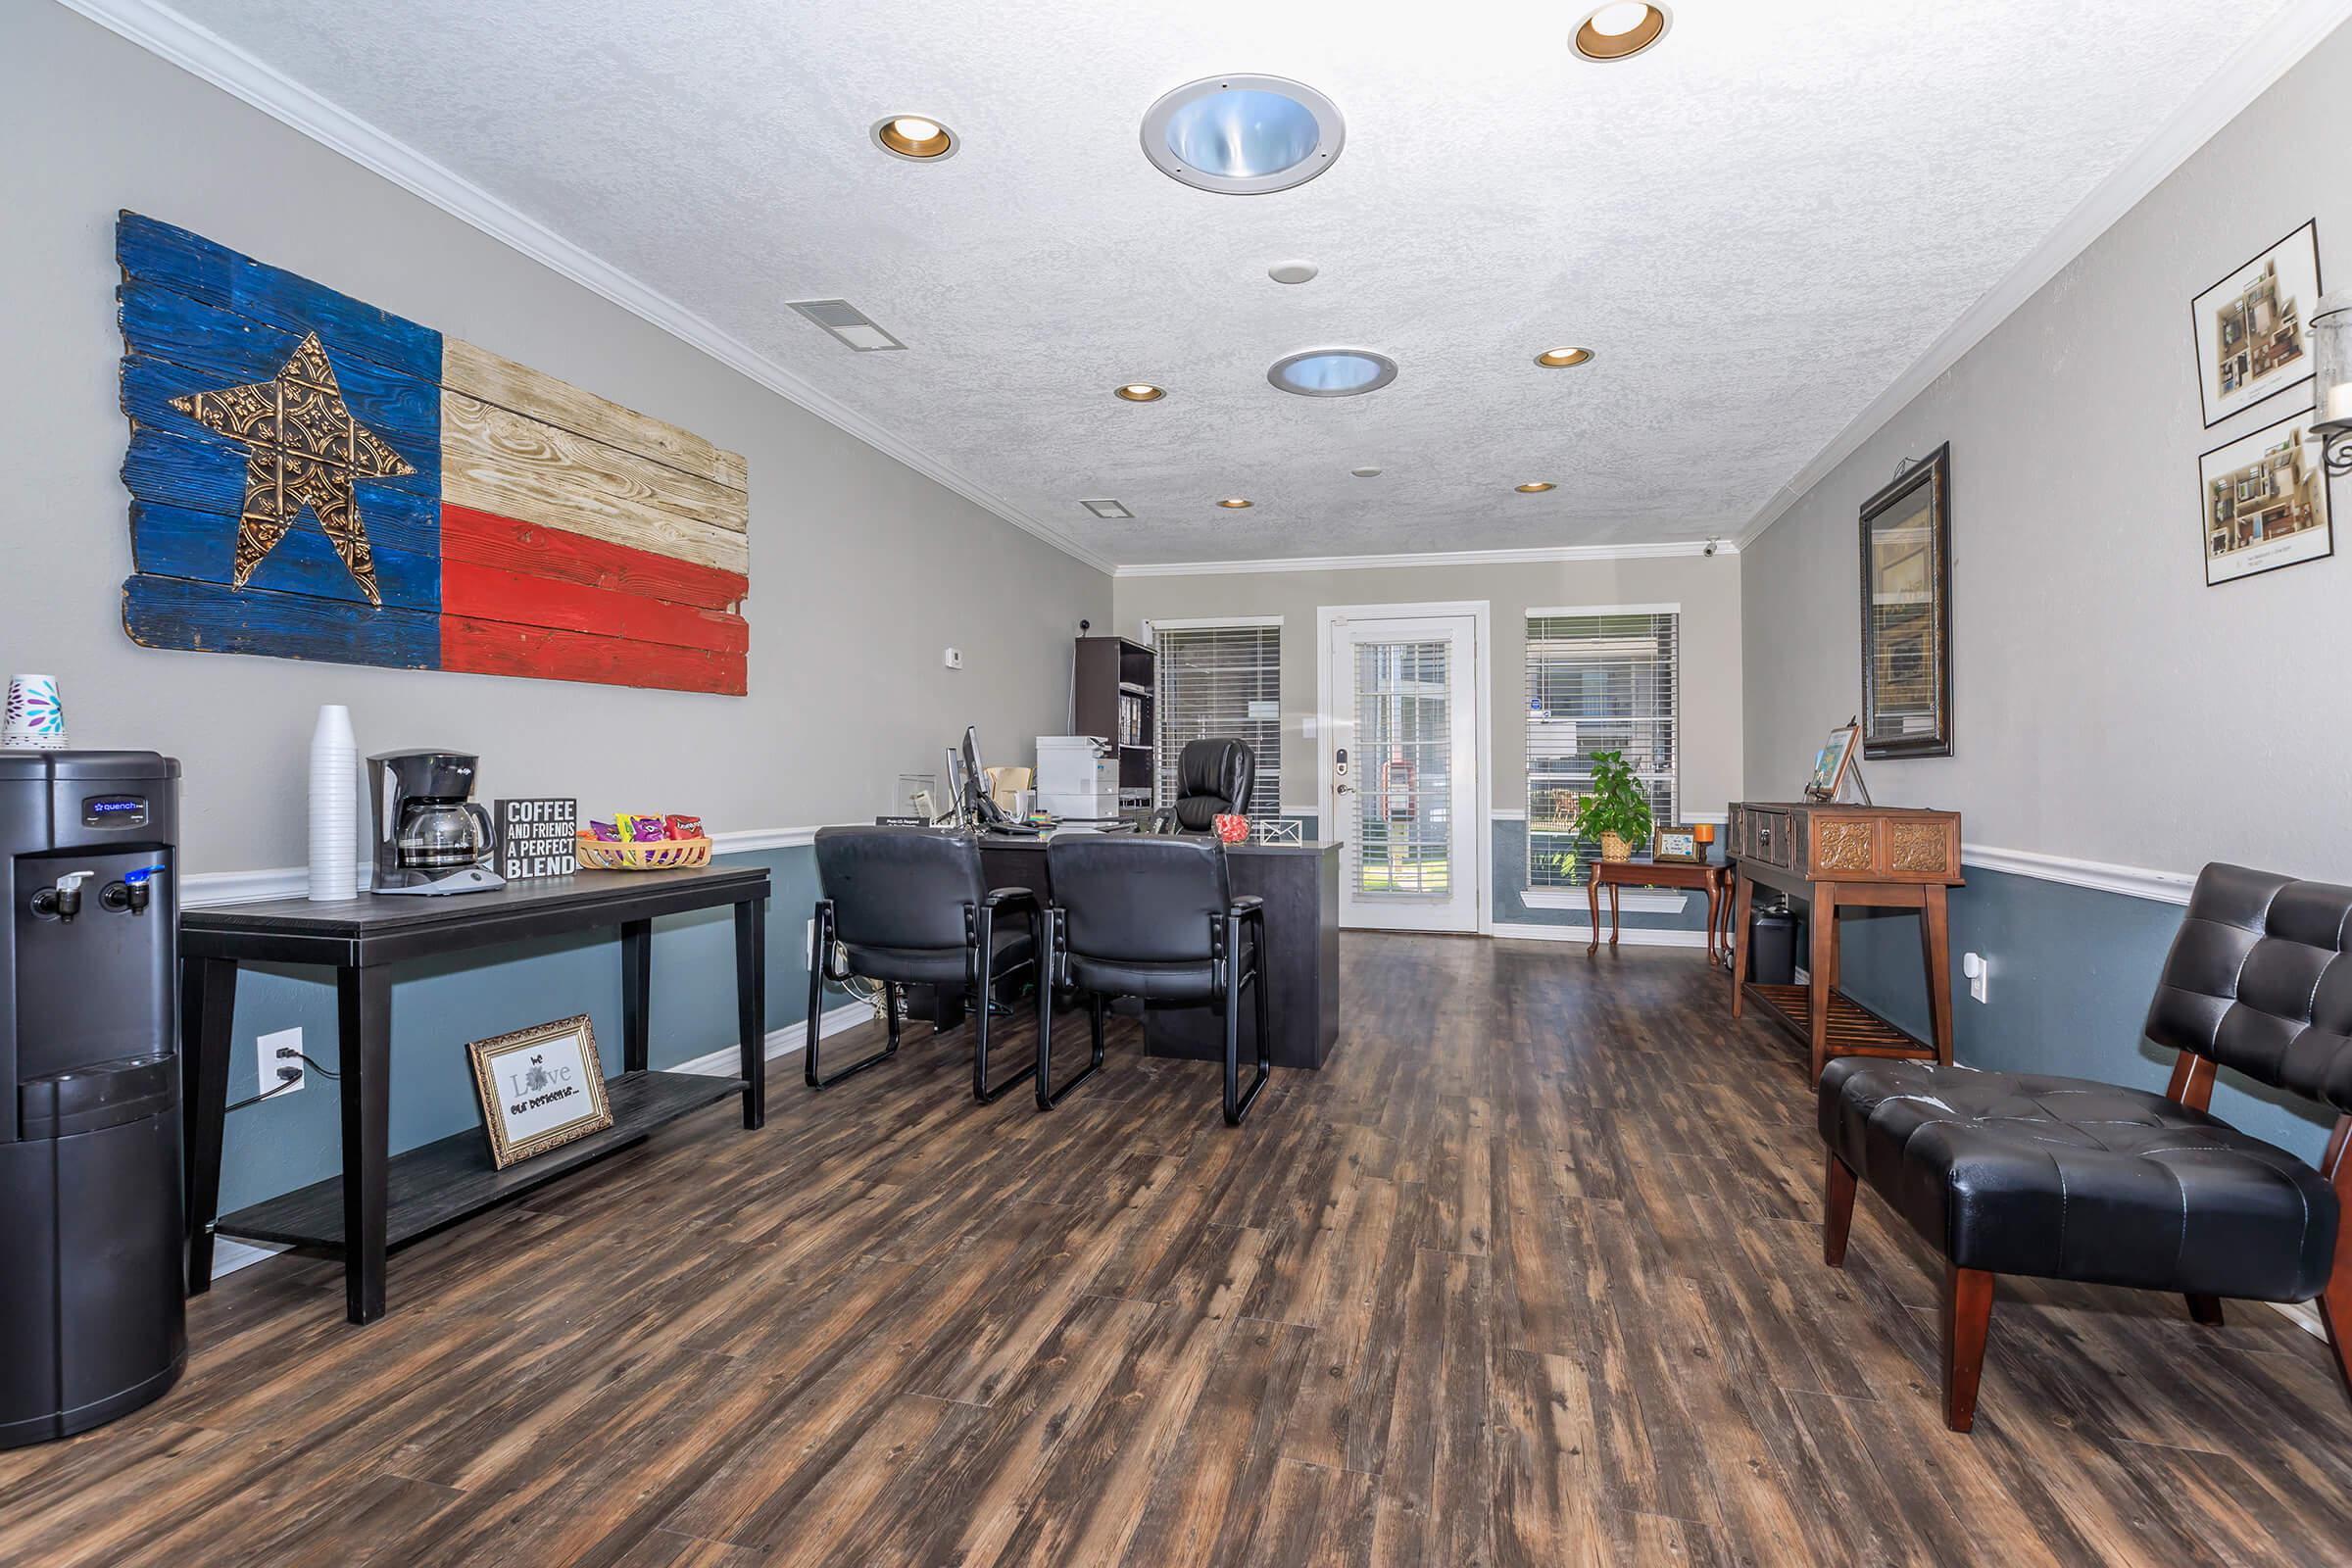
(2064, 1178)
(907, 906)
(1213, 779)
(1154, 918)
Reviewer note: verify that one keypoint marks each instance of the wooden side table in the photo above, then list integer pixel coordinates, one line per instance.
(1643, 872)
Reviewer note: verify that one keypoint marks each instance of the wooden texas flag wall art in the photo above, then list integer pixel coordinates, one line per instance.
(310, 477)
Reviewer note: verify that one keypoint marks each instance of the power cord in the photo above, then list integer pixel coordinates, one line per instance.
(288, 1079)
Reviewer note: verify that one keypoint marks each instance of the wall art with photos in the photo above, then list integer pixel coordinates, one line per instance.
(2265, 499)
(1907, 612)
(541, 1088)
(2251, 332)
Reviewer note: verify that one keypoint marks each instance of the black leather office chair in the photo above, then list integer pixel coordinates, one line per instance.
(908, 906)
(1154, 918)
(1213, 779)
(2065, 1178)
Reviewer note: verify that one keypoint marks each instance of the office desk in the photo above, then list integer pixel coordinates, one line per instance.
(1300, 884)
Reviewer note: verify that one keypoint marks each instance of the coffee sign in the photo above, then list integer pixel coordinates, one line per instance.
(537, 838)
(541, 1088)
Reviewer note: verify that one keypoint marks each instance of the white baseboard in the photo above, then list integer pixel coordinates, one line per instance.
(724, 1062)
(1632, 901)
(1630, 936)
(2305, 1315)
(230, 1255)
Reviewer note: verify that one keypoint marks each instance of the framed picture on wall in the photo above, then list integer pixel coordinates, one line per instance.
(2264, 503)
(541, 1088)
(2250, 326)
(1907, 612)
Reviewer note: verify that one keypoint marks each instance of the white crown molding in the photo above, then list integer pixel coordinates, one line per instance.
(1439, 558)
(2243, 77)
(2132, 881)
(212, 888)
(1631, 936)
(205, 54)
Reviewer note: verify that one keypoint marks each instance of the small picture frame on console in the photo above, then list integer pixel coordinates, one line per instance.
(1832, 762)
(1678, 846)
(541, 1088)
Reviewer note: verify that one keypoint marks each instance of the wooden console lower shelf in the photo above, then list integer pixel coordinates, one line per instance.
(443, 1182)
(1854, 1030)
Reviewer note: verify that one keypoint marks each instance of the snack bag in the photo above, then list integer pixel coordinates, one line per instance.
(640, 827)
(605, 832)
(684, 827)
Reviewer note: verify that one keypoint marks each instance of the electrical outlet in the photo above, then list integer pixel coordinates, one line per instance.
(282, 1049)
(1979, 974)
(953, 659)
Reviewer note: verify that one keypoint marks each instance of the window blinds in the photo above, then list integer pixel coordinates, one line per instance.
(1595, 683)
(1218, 681)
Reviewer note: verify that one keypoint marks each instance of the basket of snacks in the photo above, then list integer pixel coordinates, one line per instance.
(643, 842)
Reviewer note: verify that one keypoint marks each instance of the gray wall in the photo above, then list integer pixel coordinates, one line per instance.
(1707, 589)
(861, 571)
(2110, 706)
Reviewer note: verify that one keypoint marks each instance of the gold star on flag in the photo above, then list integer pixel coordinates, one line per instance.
(305, 448)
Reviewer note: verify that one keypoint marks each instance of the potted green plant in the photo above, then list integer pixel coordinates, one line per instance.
(1616, 811)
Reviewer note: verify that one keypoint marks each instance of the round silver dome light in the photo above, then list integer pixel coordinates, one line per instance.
(1243, 136)
(1331, 373)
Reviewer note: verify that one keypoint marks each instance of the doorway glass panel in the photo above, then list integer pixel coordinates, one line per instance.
(1402, 847)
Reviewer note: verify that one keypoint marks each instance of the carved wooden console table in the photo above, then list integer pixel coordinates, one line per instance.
(1834, 855)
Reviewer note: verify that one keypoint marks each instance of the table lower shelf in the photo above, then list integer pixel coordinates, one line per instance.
(441, 1183)
(1854, 1030)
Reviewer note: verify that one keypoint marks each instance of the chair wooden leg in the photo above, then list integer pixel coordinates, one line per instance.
(2336, 1301)
(2205, 1309)
(1967, 1314)
(1838, 1213)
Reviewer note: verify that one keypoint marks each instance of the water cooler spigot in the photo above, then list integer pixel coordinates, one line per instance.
(132, 893)
(62, 901)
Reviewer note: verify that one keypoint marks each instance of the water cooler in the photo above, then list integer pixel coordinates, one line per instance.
(92, 1318)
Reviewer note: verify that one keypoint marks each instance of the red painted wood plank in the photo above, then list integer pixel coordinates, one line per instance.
(501, 648)
(486, 539)
(490, 593)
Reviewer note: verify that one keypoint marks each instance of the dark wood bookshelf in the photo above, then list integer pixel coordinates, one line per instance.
(1111, 670)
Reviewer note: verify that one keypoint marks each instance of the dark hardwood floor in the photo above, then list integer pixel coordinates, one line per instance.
(1530, 1275)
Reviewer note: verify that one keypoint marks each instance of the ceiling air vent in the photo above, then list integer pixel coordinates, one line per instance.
(1107, 508)
(848, 324)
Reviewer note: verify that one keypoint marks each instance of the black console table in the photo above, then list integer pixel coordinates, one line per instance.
(381, 1201)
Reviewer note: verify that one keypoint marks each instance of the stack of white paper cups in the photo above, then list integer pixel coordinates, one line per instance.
(334, 807)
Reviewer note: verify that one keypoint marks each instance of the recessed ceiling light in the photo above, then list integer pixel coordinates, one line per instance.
(1561, 358)
(1235, 503)
(1243, 136)
(1140, 392)
(1365, 473)
(1534, 487)
(1331, 373)
(1107, 508)
(1292, 271)
(916, 137)
(1621, 31)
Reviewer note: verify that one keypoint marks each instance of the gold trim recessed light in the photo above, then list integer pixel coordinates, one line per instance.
(916, 137)
(1235, 503)
(1560, 359)
(1139, 392)
(1620, 32)
(1534, 487)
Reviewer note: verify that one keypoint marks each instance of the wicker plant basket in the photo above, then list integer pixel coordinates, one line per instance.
(673, 855)
(1613, 848)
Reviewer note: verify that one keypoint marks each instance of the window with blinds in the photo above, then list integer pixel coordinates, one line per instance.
(1218, 681)
(1600, 682)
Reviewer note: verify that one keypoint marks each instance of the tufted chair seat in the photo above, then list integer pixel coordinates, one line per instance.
(2063, 1178)
(2068, 1179)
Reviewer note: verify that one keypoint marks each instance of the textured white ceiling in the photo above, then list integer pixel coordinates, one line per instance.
(1758, 227)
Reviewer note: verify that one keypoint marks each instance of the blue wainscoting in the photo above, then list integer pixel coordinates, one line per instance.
(1509, 884)
(2073, 969)
(439, 1006)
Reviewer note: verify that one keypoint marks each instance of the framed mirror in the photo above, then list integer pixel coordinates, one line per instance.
(1907, 612)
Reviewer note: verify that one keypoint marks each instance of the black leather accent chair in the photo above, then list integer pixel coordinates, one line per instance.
(1213, 779)
(1154, 918)
(2064, 1178)
(907, 906)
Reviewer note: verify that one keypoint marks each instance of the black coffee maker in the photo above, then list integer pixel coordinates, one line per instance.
(430, 836)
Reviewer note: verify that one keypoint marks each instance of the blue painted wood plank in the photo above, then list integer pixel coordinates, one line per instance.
(175, 541)
(189, 264)
(212, 348)
(210, 618)
(209, 475)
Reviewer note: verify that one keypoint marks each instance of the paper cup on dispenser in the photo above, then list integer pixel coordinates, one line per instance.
(334, 808)
(36, 718)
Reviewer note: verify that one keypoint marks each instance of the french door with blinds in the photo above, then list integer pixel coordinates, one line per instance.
(1402, 689)
(1218, 679)
(1599, 679)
